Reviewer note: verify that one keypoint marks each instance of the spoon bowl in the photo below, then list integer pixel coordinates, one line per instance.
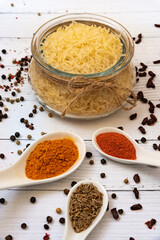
(69, 233)
(14, 176)
(143, 156)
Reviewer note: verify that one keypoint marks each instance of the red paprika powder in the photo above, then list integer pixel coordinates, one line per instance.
(116, 145)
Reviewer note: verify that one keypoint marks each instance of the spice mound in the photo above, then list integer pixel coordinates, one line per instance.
(51, 158)
(116, 145)
(84, 207)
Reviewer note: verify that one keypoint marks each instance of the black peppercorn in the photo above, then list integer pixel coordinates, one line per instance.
(103, 161)
(88, 154)
(34, 111)
(30, 115)
(3, 76)
(12, 138)
(46, 227)
(23, 225)
(17, 134)
(4, 51)
(8, 237)
(143, 140)
(5, 115)
(22, 120)
(32, 199)
(2, 200)
(66, 191)
(49, 219)
(73, 183)
(113, 195)
(62, 220)
(2, 156)
(120, 211)
(25, 121)
(102, 175)
(1, 104)
(13, 94)
(22, 98)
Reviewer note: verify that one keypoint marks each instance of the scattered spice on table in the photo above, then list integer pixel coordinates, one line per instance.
(117, 145)
(131, 238)
(8, 237)
(143, 139)
(102, 175)
(145, 120)
(113, 195)
(88, 154)
(73, 183)
(142, 130)
(49, 219)
(103, 161)
(133, 116)
(85, 205)
(23, 225)
(41, 109)
(121, 128)
(120, 211)
(46, 226)
(151, 223)
(58, 210)
(32, 199)
(126, 181)
(2, 200)
(136, 193)
(115, 213)
(51, 158)
(17, 134)
(157, 25)
(12, 138)
(2, 156)
(29, 136)
(66, 191)
(46, 237)
(91, 162)
(139, 39)
(136, 207)
(43, 133)
(156, 62)
(62, 220)
(136, 178)
(19, 152)
(155, 147)
(50, 115)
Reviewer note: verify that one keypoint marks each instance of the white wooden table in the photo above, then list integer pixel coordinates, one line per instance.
(17, 25)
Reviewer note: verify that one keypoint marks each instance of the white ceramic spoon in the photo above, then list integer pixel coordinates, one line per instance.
(14, 176)
(69, 233)
(143, 156)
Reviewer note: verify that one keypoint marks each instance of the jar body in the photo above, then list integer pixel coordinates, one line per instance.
(51, 85)
(91, 104)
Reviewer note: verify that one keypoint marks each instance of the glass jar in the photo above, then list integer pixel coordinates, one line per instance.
(90, 95)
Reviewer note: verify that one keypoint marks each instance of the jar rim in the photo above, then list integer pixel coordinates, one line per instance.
(126, 39)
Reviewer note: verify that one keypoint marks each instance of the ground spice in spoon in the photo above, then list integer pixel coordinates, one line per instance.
(51, 158)
(85, 205)
(116, 145)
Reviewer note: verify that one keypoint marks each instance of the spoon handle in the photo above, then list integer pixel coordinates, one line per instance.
(71, 236)
(149, 158)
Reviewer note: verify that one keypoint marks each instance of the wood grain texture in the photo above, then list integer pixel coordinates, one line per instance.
(130, 224)
(17, 26)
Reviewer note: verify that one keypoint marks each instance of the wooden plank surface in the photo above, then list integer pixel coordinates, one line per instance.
(17, 26)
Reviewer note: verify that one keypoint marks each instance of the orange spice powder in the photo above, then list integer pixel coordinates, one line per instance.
(116, 145)
(51, 158)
